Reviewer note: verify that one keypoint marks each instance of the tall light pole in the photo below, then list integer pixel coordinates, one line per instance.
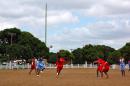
(46, 24)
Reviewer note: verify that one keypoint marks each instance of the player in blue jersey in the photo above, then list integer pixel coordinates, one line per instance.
(40, 66)
(122, 67)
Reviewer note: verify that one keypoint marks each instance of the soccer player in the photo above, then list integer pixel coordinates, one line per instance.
(33, 65)
(59, 65)
(40, 66)
(122, 67)
(105, 69)
(99, 62)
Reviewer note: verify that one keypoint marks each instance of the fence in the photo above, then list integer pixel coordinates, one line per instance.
(27, 66)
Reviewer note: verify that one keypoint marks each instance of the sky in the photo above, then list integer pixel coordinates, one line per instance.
(71, 24)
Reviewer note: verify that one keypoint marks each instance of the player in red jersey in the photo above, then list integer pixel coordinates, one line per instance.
(59, 64)
(33, 65)
(105, 69)
(99, 62)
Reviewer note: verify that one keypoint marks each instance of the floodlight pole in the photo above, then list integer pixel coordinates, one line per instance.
(46, 24)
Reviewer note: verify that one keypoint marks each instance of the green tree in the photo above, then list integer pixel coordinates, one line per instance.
(89, 53)
(114, 56)
(20, 45)
(125, 51)
(78, 54)
(66, 54)
(52, 57)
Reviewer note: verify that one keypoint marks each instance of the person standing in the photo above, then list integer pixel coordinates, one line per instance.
(122, 67)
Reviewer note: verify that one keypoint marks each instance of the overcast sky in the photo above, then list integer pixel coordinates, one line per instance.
(71, 23)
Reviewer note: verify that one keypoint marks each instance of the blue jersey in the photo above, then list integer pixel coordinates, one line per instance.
(40, 65)
(122, 66)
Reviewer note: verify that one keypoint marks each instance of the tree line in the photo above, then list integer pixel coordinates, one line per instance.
(17, 44)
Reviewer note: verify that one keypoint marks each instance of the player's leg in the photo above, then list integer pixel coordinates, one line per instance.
(38, 71)
(106, 69)
(97, 73)
(124, 73)
(101, 71)
(107, 76)
(30, 70)
(59, 70)
(101, 74)
(42, 69)
(129, 67)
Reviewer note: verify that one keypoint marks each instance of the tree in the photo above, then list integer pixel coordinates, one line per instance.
(66, 54)
(20, 45)
(89, 53)
(52, 58)
(78, 54)
(38, 48)
(114, 57)
(103, 51)
(125, 51)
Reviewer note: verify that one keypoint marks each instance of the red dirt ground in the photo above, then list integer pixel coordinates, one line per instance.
(68, 77)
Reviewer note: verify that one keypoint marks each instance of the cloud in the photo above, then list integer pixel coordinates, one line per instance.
(109, 8)
(90, 7)
(112, 33)
(31, 13)
(56, 17)
(6, 25)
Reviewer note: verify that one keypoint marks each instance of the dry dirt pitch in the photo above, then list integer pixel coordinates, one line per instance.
(68, 77)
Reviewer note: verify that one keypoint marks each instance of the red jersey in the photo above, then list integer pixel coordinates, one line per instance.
(100, 64)
(33, 64)
(100, 61)
(59, 63)
(62, 60)
(106, 67)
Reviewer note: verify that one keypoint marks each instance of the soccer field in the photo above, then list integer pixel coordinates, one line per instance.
(68, 77)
